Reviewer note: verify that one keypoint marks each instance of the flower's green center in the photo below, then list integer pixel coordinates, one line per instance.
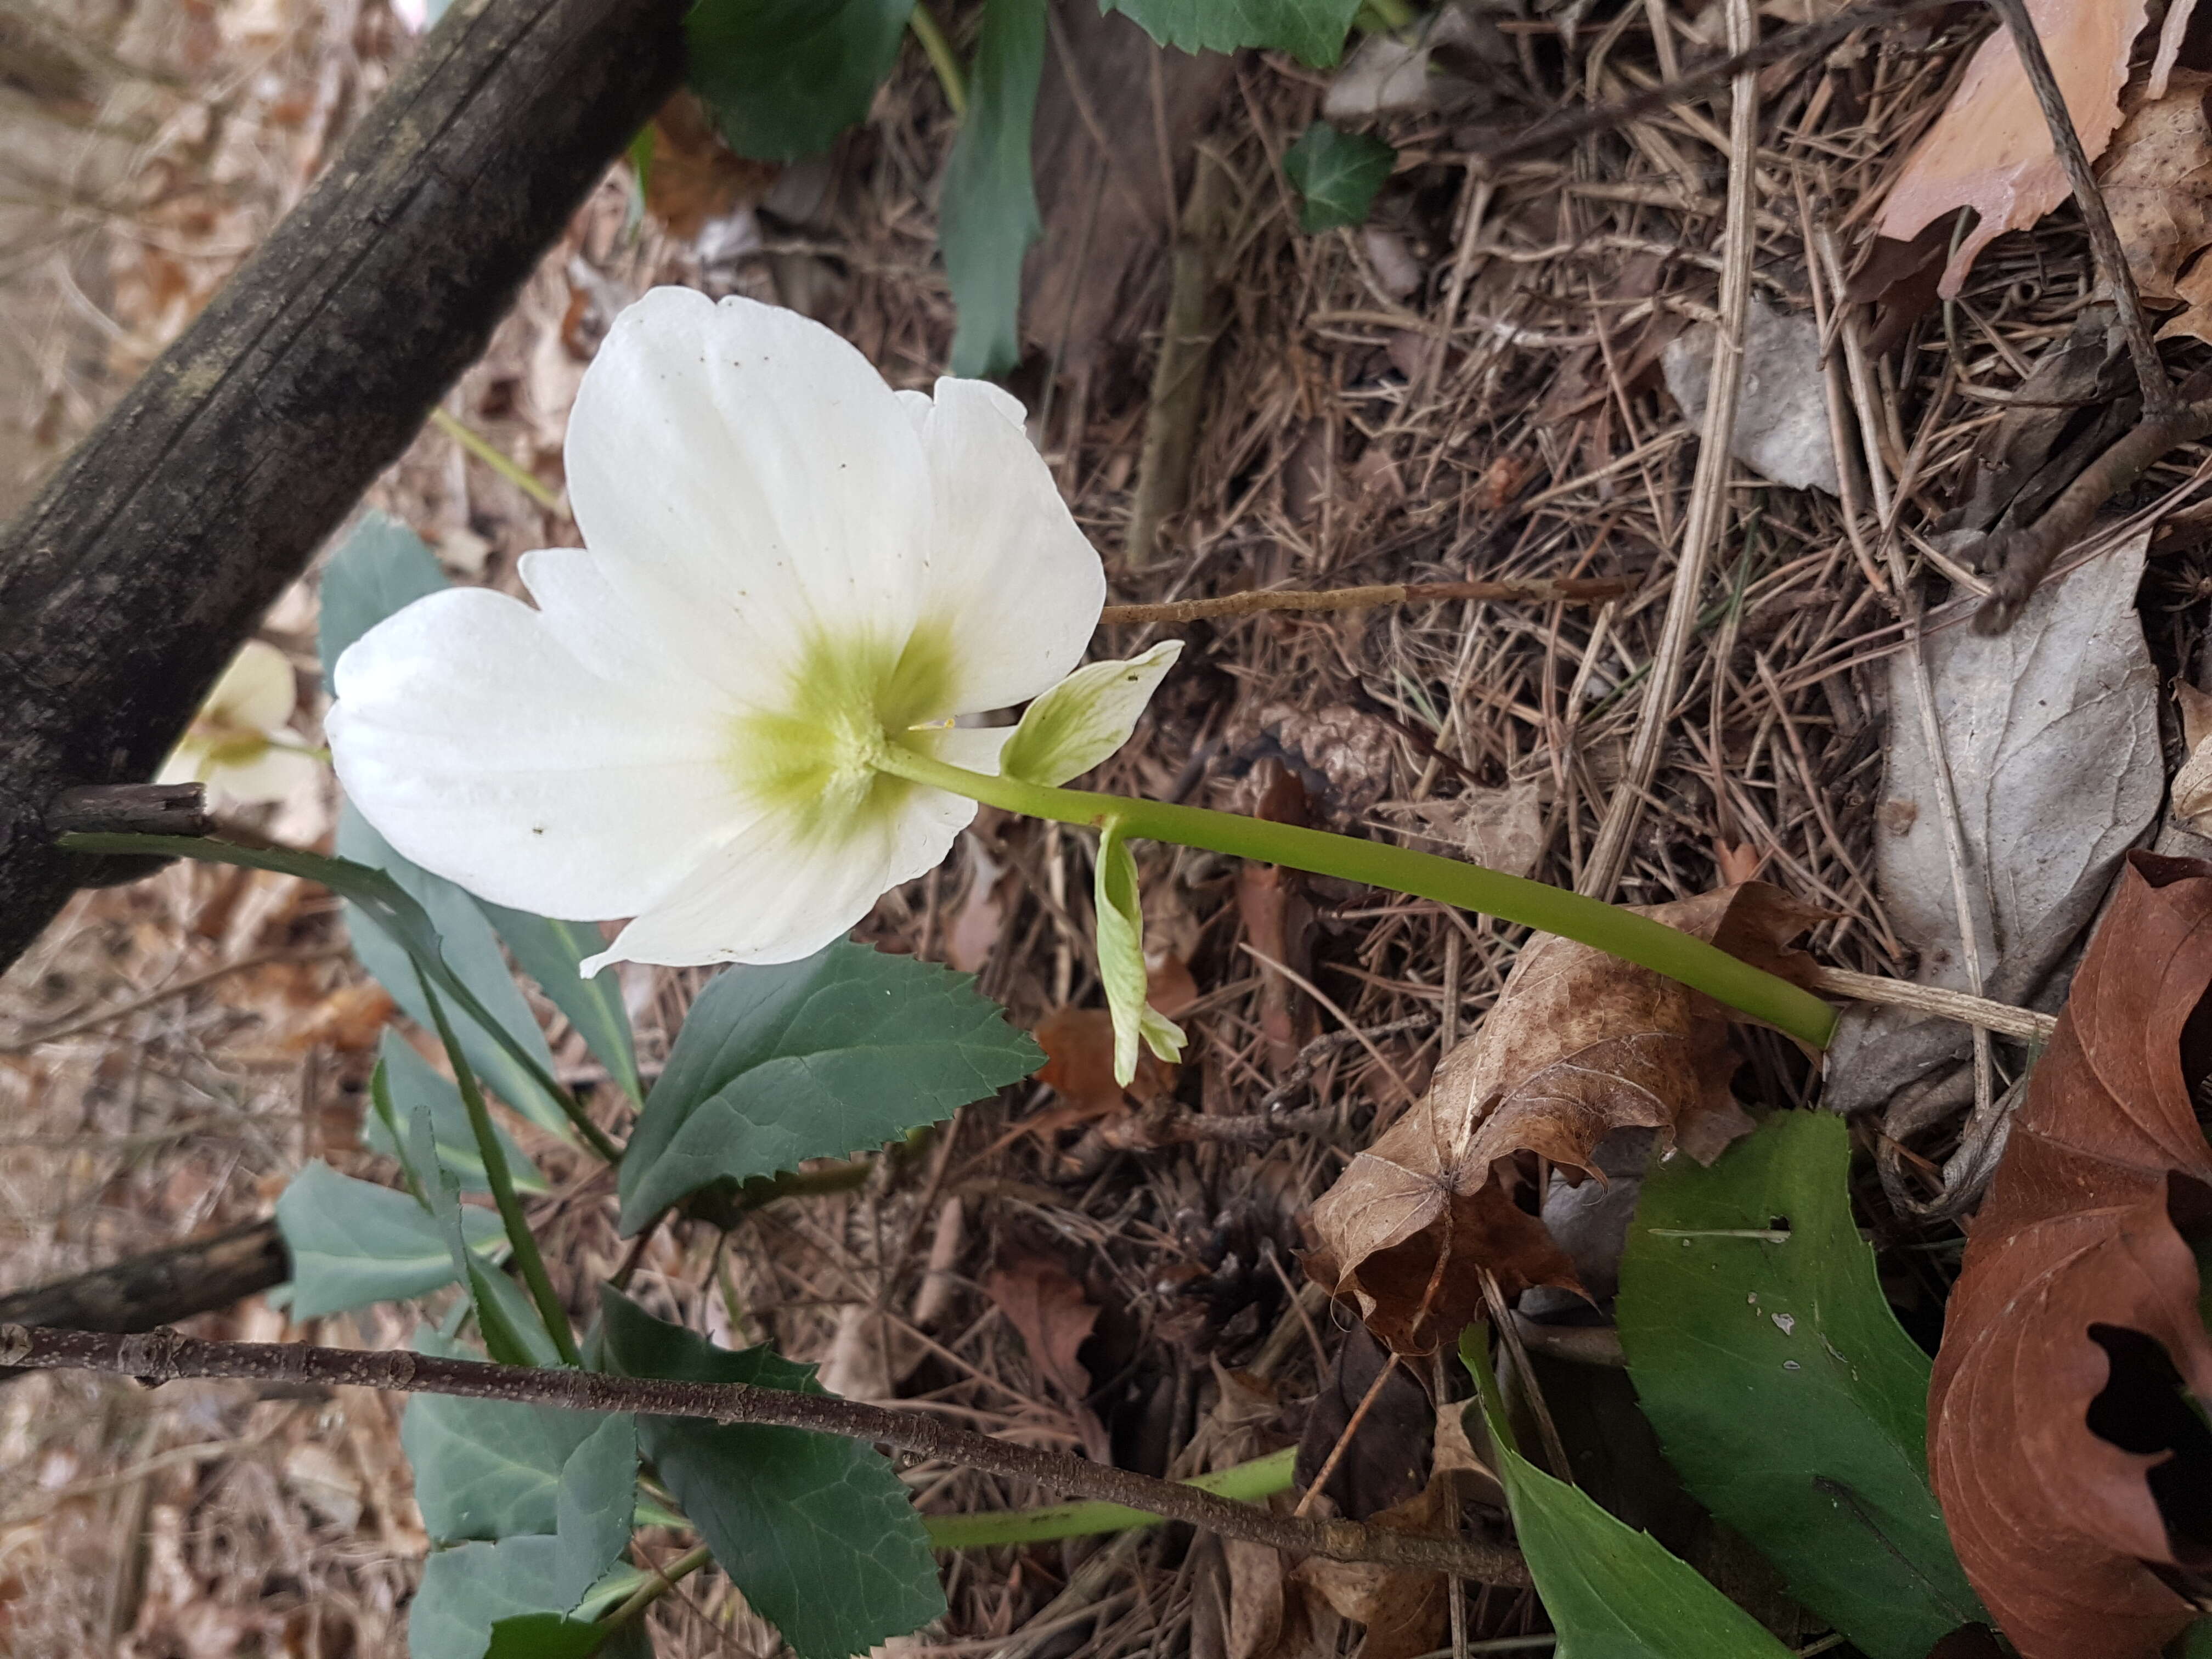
(849, 696)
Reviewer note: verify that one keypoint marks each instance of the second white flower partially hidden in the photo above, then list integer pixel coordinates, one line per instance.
(787, 566)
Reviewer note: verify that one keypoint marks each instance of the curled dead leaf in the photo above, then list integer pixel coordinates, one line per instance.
(2077, 1304)
(1990, 150)
(1579, 1045)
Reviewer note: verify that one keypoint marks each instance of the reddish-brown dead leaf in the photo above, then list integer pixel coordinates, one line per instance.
(1580, 1044)
(1042, 1301)
(694, 176)
(2058, 1527)
(1990, 150)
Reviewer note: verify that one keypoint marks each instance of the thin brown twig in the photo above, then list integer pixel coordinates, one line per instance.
(162, 1356)
(1566, 590)
(1813, 36)
(2024, 557)
(2160, 402)
(165, 994)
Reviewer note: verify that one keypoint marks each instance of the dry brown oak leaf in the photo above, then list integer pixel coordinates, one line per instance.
(2157, 181)
(1579, 1044)
(1990, 149)
(2061, 1530)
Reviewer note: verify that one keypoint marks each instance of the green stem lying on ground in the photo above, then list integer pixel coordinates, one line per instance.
(1262, 1478)
(1604, 926)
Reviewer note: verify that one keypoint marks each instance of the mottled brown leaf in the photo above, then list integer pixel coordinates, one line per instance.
(1580, 1044)
(2058, 1527)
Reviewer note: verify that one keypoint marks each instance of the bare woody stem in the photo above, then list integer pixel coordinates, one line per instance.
(162, 1356)
(1571, 590)
(2159, 400)
(1607, 927)
(2023, 557)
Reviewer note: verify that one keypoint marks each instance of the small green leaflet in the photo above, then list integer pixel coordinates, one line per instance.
(467, 1592)
(551, 952)
(1313, 29)
(509, 1056)
(382, 567)
(848, 1049)
(353, 1242)
(1783, 1392)
(817, 1532)
(1336, 175)
(404, 1081)
(987, 216)
(1612, 1592)
(486, 1468)
(784, 78)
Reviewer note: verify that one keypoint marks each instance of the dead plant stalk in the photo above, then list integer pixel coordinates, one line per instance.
(163, 1355)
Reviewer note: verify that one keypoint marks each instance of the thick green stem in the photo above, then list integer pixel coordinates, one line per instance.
(501, 1181)
(1604, 926)
(1247, 1483)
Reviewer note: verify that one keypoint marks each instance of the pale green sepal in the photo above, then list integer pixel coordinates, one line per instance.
(1121, 959)
(1162, 1034)
(1086, 718)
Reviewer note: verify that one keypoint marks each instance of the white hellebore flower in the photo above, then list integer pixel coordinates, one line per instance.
(238, 744)
(787, 566)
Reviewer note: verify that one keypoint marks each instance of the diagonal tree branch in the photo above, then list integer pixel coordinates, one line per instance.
(131, 580)
(2160, 402)
(162, 1356)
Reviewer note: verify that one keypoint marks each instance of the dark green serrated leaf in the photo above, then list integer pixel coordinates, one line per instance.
(1612, 1592)
(784, 78)
(509, 1053)
(1783, 1389)
(353, 1242)
(987, 216)
(552, 1636)
(848, 1049)
(404, 1081)
(1313, 29)
(817, 1532)
(397, 915)
(1336, 175)
(381, 566)
(550, 952)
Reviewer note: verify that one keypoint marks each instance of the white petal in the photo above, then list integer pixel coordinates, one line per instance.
(1010, 574)
(626, 623)
(484, 750)
(257, 692)
(757, 463)
(774, 896)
